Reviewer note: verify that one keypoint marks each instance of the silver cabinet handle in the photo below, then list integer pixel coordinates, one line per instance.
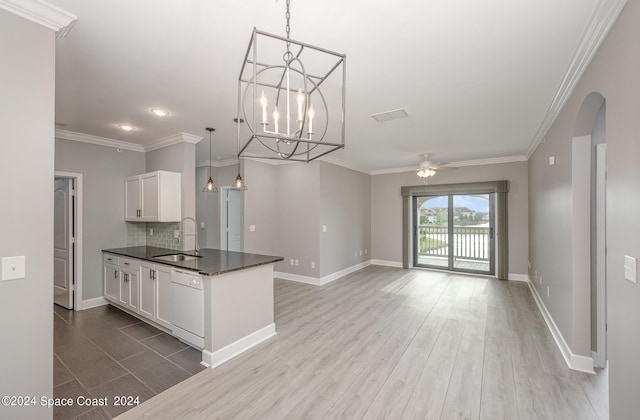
(126, 263)
(109, 259)
(115, 274)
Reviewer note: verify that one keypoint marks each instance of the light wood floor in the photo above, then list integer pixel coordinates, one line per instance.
(392, 343)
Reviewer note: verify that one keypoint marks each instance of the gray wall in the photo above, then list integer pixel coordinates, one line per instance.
(261, 208)
(26, 215)
(181, 158)
(614, 73)
(345, 201)
(289, 204)
(298, 216)
(208, 204)
(386, 208)
(104, 170)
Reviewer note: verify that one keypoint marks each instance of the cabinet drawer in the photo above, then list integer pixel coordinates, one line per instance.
(111, 259)
(130, 264)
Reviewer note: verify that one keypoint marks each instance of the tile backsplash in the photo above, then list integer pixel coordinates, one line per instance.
(139, 234)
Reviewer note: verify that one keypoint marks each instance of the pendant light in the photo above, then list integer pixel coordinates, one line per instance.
(294, 107)
(211, 186)
(239, 183)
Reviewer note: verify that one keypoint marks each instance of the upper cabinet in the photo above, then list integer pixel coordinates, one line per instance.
(153, 197)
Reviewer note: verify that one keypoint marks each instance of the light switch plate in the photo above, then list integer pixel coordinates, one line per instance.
(13, 268)
(552, 160)
(252, 228)
(324, 228)
(630, 269)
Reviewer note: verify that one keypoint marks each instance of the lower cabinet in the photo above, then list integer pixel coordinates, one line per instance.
(112, 281)
(155, 293)
(129, 289)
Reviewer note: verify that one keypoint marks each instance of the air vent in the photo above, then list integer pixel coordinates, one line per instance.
(390, 115)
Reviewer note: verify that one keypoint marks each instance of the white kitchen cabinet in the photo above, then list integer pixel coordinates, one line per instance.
(148, 291)
(112, 281)
(163, 296)
(153, 197)
(129, 289)
(155, 293)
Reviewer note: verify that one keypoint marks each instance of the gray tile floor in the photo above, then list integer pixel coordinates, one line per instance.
(105, 352)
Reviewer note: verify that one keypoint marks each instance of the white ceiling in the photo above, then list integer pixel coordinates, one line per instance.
(476, 78)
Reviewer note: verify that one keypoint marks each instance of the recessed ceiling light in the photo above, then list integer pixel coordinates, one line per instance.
(126, 127)
(160, 112)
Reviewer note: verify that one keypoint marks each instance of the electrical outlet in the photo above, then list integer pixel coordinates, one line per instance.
(355, 254)
(296, 262)
(150, 231)
(360, 252)
(291, 261)
(313, 264)
(540, 279)
(365, 251)
(252, 228)
(13, 268)
(529, 264)
(535, 274)
(547, 291)
(324, 228)
(176, 234)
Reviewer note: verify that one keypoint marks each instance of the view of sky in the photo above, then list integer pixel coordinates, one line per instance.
(473, 202)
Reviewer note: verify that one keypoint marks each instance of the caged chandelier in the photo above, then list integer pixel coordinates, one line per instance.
(281, 98)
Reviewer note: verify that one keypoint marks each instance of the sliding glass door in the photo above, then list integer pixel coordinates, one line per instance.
(455, 232)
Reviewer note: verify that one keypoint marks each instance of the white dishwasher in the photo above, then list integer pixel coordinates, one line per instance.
(187, 307)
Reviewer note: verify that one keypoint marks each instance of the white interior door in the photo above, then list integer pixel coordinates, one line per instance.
(63, 243)
(234, 241)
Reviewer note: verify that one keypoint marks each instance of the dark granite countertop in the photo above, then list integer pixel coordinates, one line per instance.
(212, 263)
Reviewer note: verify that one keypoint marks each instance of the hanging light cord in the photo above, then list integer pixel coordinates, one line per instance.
(209, 154)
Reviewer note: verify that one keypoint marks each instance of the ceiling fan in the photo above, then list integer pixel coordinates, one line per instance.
(428, 168)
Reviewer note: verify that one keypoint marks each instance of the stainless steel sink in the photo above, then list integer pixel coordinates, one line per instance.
(177, 257)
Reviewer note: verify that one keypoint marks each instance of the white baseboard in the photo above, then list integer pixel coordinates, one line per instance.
(322, 280)
(218, 357)
(395, 264)
(574, 361)
(338, 274)
(91, 303)
(296, 277)
(518, 277)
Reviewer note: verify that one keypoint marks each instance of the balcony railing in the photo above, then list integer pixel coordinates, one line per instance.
(469, 242)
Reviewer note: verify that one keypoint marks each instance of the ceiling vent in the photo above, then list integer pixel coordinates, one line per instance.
(390, 115)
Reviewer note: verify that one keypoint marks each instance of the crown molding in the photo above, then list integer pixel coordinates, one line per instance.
(489, 161)
(395, 170)
(459, 164)
(100, 141)
(40, 12)
(171, 140)
(217, 163)
(602, 19)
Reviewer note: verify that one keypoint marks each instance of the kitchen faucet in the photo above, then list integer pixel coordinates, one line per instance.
(195, 227)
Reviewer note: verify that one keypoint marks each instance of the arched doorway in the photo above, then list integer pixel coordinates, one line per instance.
(589, 227)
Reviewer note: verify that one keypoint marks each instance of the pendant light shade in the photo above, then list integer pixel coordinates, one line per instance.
(211, 186)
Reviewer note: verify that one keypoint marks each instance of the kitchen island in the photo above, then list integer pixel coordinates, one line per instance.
(220, 301)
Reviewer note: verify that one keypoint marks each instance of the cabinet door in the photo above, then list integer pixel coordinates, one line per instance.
(150, 203)
(132, 198)
(163, 296)
(124, 287)
(147, 291)
(134, 291)
(112, 282)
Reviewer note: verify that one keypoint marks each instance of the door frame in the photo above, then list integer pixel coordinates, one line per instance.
(78, 303)
(450, 233)
(224, 218)
(600, 355)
